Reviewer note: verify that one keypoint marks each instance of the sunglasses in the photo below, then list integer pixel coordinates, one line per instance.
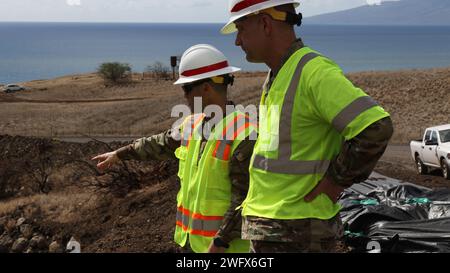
(225, 79)
(187, 88)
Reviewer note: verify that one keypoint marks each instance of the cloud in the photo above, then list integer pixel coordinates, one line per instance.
(314, 7)
(73, 2)
(373, 2)
(199, 11)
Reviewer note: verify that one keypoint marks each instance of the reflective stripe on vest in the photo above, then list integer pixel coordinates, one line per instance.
(229, 134)
(198, 224)
(190, 125)
(349, 113)
(284, 164)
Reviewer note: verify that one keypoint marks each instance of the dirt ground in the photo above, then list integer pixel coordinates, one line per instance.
(108, 219)
(105, 212)
(81, 104)
(397, 162)
(50, 191)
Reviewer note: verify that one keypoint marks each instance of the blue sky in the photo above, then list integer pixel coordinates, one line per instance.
(195, 11)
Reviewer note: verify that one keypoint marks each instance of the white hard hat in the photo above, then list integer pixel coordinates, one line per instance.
(201, 62)
(241, 8)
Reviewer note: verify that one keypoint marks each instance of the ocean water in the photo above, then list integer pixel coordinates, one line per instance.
(30, 51)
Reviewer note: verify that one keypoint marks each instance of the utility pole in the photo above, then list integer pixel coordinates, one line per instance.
(173, 63)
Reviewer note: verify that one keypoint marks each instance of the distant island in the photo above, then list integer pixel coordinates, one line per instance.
(404, 12)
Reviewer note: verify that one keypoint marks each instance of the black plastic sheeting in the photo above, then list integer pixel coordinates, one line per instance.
(386, 215)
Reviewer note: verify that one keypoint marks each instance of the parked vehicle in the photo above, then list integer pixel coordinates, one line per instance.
(433, 151)
(12, 88)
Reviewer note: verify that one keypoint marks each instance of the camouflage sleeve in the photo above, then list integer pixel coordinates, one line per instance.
(157, 147)
(360, 154)
(239, 175)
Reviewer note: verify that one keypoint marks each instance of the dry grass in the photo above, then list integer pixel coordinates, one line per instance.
(72, 106)
(61, 207)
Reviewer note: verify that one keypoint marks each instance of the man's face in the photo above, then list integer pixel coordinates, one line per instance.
(251, 38)
(195, 90)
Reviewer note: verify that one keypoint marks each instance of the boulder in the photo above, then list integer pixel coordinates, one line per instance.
(26, 230)
(55, 247)
(38, 242)
(19, 245)
(20, 221)
(5, 243)
(2, 224)
(10, 226)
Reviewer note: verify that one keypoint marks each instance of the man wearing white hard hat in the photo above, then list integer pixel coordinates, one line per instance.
(213, 170)
(318, 134)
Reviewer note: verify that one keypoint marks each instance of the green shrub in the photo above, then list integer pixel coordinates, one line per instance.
(114, 72)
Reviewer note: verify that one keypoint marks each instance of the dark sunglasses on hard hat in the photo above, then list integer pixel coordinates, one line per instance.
(223, 79)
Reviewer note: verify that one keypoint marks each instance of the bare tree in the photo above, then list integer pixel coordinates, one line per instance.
(118, 181)
(39, 169)
(159, 70)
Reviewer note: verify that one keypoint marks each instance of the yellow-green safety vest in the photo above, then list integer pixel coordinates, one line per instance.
(309, 111)
(205, 193)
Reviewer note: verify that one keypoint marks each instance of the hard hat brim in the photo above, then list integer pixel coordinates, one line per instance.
(230, 27)
(223, 71)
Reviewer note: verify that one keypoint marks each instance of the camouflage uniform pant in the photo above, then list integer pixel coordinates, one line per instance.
(297, 236)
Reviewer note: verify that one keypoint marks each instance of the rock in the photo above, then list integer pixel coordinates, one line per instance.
(55, 247)
(106, 218)
(10, 226)
(38, 242)
(20, 221)
(19, 245)
(34, 242)
(3, 222)
(5, 243)
(26, 230)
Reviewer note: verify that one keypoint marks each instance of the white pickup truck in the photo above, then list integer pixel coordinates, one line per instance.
(433, 151)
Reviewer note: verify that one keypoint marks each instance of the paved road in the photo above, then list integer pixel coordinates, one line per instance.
(399, 155)
(103, 139)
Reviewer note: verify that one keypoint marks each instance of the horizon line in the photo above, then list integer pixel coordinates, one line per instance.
(216, 23)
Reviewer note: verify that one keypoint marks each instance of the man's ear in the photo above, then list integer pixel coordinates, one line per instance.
(267, 24)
